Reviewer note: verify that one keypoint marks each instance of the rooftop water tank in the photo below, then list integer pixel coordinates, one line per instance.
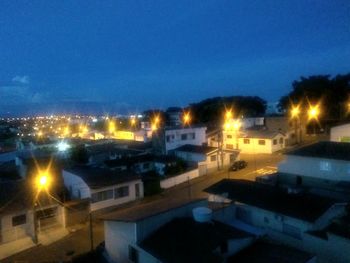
(202, 214)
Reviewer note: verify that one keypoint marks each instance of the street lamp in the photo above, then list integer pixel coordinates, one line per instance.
(186, 118)
(42, 182)
(313, 113)
(295, 113)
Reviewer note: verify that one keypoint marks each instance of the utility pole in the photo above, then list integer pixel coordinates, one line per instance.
(91, 233)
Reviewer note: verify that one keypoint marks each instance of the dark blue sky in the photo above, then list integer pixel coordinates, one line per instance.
(162, 53)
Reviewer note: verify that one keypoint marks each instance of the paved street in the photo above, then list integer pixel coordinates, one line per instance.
(79, 241)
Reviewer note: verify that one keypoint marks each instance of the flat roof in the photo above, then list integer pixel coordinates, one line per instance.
(100, 177)
(140, 211)
(268, 252)
(304, 206)
(325, 149)
(260, 134)
(185, 240)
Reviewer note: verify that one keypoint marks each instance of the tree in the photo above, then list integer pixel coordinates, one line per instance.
(331, 93)
(212, 110)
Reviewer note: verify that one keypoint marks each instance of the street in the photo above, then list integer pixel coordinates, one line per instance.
(78, 242)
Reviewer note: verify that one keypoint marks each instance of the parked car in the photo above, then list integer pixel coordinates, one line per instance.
(238, 165)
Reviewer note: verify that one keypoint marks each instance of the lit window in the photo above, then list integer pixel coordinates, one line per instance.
(246, 141)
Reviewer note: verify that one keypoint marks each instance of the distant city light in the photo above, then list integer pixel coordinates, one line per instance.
(63, 146)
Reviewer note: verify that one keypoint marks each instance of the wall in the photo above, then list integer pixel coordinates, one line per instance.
(11, 233)
(76, 212)
(339, 170)
(340, 133)
(118, 236)
(175, 180)
(176, 142)
(76, 185)
(120, 200)
(254, 146)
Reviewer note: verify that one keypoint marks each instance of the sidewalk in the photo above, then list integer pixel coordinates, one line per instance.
(12, 248)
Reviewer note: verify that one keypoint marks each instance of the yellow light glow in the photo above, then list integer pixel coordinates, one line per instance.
(227, 126)
(133, 121)
(187, 118)
(154, 127)
(237, 125)
(295, 111)
(313, 112)
(40, 133)
(228, 114)
(43, 180)
(111, 126)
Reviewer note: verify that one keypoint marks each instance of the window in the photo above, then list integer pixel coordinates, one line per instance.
(229, 146)
(168, 138)
(213, 158)
(19, 220)
(291, 231)
(325, 166)
(246, 141)
(183, 137)
(133, 254)
(229, 136)
(281, 140)
(261, 142)
(102, 196)
(274, 141)
(121, 192)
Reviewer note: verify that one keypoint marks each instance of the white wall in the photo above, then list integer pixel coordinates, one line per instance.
(200, 137)
(339, 132)
(175, 180)
(76, 185)
(117, 201)
(307, 166)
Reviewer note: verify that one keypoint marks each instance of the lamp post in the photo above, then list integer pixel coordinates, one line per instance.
(295, 112)
(42, 183)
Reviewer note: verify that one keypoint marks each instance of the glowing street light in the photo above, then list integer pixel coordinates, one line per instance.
(228, 114)
(313, 112)
(111, 126)
(187, 118)
(295, 112)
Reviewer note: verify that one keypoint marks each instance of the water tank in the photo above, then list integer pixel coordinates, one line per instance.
(202, 214)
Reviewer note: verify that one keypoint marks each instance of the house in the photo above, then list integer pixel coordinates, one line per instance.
(104, 187)
(254, 141)
(17, 228)
(171, 232)
(340, 133)
(292, 218)
(143, 163)
(208, 158)
(169, 138)
(320, 165)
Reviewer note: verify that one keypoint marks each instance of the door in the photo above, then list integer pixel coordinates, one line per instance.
(137, 190)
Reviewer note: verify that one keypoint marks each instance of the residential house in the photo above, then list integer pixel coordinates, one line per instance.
(324, 165)
(17, 231)
(340, 133)
(254, 141)
(292, 218)
(104, 187)
(169, 138)
(171, 232)
(206, 157)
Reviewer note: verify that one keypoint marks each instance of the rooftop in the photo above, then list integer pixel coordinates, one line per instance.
(99, 177)
(127, 161)
(196, 149)
(141, 211)
(185, 240)
(303, 206)
(326, 150)
(260, 134)
(266, 252)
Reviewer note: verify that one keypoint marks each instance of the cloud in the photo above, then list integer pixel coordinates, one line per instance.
(21, 79)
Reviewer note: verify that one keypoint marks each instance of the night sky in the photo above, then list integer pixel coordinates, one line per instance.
(147, 53)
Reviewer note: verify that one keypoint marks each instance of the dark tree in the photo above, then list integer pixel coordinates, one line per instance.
(331, 93)
(212, 110)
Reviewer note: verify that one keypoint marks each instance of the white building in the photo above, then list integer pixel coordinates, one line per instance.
(208, 158)
(300, 220)
(340, 133)
(252, 142)
(169, 138)
(17, 230)
(320, 165)
(162, 231)
(104, 187)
